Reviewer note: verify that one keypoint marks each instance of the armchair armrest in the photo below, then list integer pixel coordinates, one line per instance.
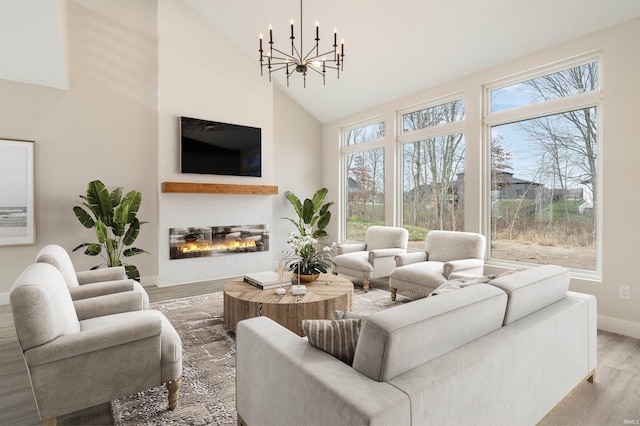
(461, 265)
(351, 247)
(323, 387)
(109, 304)
(84, 342)
(95, 289)
(103, 274)
(387, 252)
(412, 257)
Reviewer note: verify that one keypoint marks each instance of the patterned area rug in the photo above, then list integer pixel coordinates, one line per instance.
(207, 391)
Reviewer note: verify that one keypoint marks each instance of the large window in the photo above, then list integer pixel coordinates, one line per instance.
(363, 156)
(544, 163)
(432, 164)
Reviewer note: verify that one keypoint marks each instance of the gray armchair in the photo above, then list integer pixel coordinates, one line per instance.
(375, 257)
(117, 292)
(447, 255)
(75, 364)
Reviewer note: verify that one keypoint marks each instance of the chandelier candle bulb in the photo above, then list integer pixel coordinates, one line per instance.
(303, 59)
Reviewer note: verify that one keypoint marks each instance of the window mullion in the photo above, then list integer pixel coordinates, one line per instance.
(555, 106)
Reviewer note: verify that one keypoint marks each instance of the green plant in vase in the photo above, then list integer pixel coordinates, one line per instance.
(116, 225)
(306, 257)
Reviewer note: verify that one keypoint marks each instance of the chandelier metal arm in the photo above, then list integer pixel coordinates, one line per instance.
(301, 64)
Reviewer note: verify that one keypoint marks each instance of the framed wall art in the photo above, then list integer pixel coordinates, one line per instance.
(17, 210)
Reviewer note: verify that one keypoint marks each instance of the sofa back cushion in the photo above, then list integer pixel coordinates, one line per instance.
(532, 289)
(444, 246)
(380, 237)
(41, 306)
(399, 339)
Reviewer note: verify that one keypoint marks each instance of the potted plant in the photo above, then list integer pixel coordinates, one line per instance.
(114, 218)
(306, 259)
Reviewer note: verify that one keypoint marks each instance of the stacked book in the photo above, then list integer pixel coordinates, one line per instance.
(268, 279)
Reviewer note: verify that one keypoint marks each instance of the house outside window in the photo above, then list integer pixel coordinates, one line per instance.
(432, 165)
(543, 162)
(363, 156)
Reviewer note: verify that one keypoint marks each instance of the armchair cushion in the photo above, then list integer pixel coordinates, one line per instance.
(112, 273)
(350, 247)
(31, 305)
(94, 339)
(376, 259)
(354, 264)
(57, 256)
(450, 245)
(448, 254)
(86, 291)
(474, 266)
(386, 252)
(94, 283)
(109, 304)
(76, 364)
(379, 237)
(412, 257)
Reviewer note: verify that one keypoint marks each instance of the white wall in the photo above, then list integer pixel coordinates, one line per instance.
(103, 127)
(202, 75)
(620, 158)
(297, 162)
(136, 67)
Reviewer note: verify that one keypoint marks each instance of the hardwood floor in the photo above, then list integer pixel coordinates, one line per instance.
(614, 398)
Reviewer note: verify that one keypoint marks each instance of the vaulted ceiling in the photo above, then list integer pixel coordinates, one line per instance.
(392, 47)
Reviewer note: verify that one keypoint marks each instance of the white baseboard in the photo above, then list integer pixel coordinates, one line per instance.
(619, 326)
(4, 299)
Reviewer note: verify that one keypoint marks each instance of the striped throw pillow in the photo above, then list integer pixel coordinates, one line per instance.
(337, 337)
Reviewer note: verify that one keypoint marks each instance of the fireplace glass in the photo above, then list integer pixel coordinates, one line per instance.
(206, 241)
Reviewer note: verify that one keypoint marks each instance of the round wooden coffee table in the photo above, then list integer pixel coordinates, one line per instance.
(326, 294)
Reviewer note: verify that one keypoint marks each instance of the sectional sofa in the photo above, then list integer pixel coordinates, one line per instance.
(502, 353)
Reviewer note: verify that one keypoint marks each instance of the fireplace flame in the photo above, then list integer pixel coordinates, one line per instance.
(204, 246)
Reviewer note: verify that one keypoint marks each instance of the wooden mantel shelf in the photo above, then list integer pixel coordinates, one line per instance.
(218, 188)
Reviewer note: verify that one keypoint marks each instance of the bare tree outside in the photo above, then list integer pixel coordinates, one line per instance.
(433, 171)
(548, 199)
(365, 181)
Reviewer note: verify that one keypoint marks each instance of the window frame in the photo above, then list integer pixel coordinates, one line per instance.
(345, 151)
(537, 110)
(403, 138)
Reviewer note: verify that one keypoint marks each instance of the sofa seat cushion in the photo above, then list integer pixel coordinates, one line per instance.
(399, 339)
(419, 278)
(532, 289)
(336, 337)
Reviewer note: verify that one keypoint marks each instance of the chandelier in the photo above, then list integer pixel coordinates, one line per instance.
(313, 60)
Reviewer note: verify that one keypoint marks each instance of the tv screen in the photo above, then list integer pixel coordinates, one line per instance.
(212, 147)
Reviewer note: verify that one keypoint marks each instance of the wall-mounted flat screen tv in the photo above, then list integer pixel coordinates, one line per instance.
(215, 148)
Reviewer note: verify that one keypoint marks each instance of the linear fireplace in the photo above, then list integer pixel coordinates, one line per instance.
(205, 241)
